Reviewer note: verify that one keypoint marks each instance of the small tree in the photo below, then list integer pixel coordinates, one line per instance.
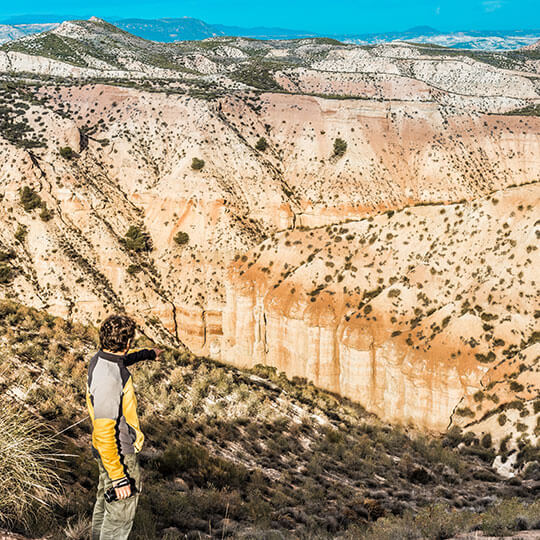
(340, 147)
(66, 152)
(181, 238)
(29, 199)
(262, 144)
(197, 164)
(5, 273)
(45, 214)
(137, 240)
(20, 233)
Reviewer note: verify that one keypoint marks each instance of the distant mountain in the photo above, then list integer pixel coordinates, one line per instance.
(533, 46)
(490, 40)
(262, 32)
(9, 32)
(188, 28)
(168, 30)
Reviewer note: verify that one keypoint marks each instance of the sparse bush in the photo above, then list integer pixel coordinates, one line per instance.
(197, 164)
(181, 238)
(29, 199)
(133, 269)
(486, 441)
(7, 255)
(137, 240)
(262, 144)
(478, 396)
(66, 152)
(45, 214)
(6, 273)
(340, 147)
(438, 522)
(501, 519)
(465, 411)
(516, 387)
(21, 233)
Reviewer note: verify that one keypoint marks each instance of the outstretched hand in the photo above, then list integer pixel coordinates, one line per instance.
(158, 353)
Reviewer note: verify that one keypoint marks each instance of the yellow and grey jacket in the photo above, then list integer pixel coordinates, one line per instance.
(112, 405)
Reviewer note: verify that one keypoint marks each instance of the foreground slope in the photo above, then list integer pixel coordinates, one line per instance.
(232, 453)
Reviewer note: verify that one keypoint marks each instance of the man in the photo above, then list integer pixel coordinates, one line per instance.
(116, 436)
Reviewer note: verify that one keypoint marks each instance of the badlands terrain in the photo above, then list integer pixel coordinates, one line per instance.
(364, 217)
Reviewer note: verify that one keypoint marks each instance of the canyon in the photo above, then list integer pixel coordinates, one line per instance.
(399, 271)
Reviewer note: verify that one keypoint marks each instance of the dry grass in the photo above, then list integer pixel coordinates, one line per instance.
(27, 464)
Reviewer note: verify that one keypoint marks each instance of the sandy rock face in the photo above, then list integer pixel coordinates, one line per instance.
(370, 309)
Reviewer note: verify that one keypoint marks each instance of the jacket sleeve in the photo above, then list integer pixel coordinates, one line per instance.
(138, 356)
(107, 402)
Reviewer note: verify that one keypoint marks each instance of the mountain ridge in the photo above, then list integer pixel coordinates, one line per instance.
(189, 28)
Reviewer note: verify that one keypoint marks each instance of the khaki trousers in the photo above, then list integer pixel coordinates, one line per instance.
(113, 521)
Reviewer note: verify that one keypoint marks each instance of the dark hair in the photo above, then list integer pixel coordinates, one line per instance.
(115, 333)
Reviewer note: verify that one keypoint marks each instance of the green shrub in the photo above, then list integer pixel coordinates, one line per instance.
(133, 269)
(7, 255)
(197, 164)
(393, 528)
(181, 238)
(21, 233)
(516, 387)
(6, 273)
(478, 396)
(500, 519)
(45, 214)
(486, 441)
(340, 147)
(29, 199)
(465, 411)
(262, 144)
(485, 358)
(66, 152)
(137, 240)
(439, 521)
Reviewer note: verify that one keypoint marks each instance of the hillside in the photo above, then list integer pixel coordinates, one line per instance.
(237, 453)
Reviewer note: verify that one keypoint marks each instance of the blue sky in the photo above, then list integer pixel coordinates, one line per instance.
(337, 16)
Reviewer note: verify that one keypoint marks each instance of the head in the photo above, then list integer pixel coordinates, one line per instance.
(116, 333)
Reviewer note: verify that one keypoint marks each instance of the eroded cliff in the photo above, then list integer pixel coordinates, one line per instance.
(410, 313)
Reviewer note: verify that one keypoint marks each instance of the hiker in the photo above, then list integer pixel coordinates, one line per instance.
(116, 434)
